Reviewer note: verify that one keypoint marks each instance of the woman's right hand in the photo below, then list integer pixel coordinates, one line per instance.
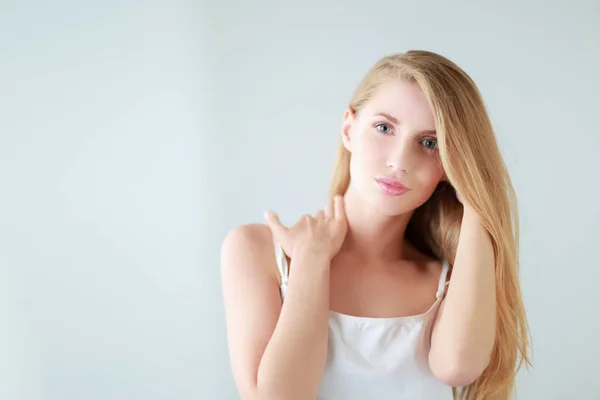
(324, 233)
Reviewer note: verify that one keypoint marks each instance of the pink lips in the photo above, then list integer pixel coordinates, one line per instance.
(392, 187)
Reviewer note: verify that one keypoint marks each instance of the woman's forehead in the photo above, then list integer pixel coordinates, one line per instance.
(403, 101)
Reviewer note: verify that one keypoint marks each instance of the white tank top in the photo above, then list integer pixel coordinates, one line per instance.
(378, 358)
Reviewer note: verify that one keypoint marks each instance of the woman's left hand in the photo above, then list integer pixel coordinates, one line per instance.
(466, 206)
(459, 197)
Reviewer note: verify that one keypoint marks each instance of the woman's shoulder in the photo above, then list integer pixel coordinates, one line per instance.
(249, 248)
(249, 234)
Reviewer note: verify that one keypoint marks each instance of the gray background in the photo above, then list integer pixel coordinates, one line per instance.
(134, 135)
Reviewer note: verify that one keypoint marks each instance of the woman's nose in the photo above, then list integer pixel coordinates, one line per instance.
(400, 157)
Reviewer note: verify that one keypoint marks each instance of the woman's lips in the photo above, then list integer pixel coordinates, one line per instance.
(391, 187)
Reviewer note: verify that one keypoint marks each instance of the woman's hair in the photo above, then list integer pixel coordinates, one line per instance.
(474, 166)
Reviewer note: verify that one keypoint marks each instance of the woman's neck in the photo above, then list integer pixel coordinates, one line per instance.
(373, 238)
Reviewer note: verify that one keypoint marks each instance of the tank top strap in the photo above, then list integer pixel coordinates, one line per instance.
(442, 283)
(282, 266)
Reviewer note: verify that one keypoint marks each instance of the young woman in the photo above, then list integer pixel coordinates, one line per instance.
(405, 286)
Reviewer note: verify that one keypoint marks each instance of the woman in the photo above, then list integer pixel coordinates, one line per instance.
(406, 285)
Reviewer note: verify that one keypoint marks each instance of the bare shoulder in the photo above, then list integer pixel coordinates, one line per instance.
(254, 233)
(249, 246)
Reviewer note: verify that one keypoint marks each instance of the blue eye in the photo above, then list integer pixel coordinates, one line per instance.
(387, 131)
(429, 143)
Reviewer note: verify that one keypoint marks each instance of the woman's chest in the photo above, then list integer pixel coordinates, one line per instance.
(381, 292)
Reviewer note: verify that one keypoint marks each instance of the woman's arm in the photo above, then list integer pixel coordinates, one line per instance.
(464, 330)
(276, 352)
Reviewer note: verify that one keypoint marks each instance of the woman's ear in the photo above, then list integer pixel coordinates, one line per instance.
(349, 119)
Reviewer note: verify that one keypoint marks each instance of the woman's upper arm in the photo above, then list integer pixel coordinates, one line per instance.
(251, 298)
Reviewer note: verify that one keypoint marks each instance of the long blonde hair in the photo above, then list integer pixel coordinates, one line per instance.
(474, 166)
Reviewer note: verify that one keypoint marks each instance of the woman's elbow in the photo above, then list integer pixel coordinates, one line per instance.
(459, 372)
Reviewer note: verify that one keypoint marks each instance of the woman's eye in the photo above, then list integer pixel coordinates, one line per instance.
(431, 144)
(384, 128)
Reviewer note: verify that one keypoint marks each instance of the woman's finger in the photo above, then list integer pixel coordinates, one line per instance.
(340, 213)
(280, 231)
(329, 209)
(320, 214)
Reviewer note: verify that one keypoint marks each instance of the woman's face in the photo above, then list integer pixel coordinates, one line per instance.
(393, 137)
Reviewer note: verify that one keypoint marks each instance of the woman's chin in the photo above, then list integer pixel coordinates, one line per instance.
(391, 206)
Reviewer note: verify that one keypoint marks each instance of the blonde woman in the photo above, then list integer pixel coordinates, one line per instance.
(405, 286)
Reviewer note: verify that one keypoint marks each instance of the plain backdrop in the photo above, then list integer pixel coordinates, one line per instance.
(135, 135)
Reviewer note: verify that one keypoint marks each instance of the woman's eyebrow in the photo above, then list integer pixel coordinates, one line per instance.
(395, 121)
(388, 116)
